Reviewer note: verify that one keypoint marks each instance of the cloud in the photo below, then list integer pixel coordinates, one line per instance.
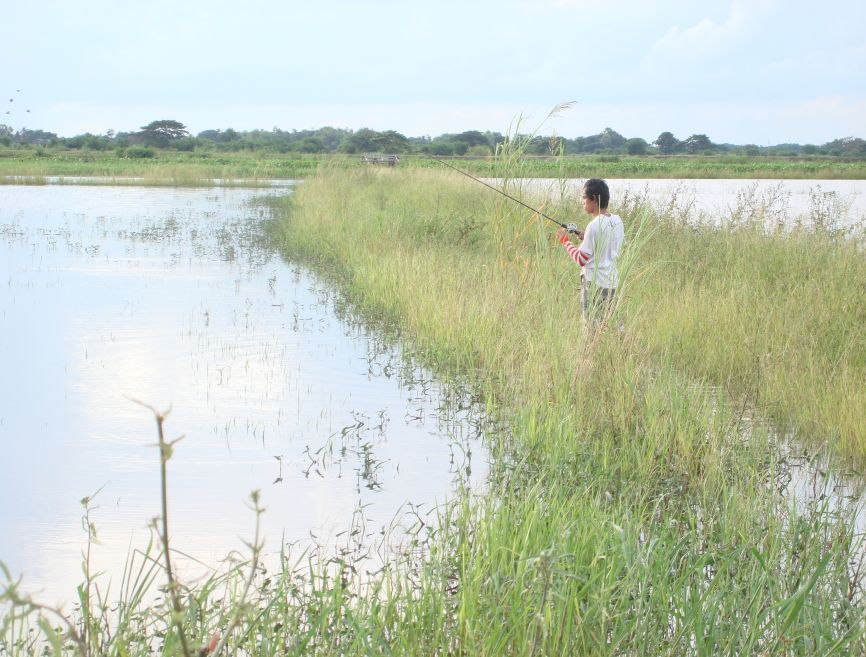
(706, 39)
(757, 51)
(825, 60)
(841, 112)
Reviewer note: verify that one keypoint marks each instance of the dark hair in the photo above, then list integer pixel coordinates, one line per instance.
(596, 188)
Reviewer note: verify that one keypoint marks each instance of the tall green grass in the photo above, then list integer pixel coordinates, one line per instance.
(630, 510)
(773, 317)
(633, 510)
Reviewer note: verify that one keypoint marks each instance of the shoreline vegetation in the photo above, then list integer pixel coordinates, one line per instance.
(639, 500)
(170, 167)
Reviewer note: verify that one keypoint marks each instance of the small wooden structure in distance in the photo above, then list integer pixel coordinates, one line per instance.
(376, 158)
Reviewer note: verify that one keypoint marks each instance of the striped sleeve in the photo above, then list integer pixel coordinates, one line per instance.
(576, 254)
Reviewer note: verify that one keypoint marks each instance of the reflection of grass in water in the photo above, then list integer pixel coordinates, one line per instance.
(236, 608)
(228, 239)
(454, 410)
(627, 511)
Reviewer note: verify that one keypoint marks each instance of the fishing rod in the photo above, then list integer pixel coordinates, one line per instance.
(570, 229)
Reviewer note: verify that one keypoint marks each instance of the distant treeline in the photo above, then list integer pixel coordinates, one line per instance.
(473, 143)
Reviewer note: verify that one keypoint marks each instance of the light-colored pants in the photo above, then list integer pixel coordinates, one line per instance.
(596, 300)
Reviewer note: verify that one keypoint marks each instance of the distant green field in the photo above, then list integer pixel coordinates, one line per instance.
(154, 167)
(160, 167)
(679, 166)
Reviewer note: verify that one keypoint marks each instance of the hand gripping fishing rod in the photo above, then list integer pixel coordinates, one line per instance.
(570, 228)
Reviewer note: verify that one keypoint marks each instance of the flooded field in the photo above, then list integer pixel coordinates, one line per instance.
(171, 297)
(837, 203)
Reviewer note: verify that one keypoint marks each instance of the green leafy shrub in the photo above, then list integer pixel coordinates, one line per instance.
(136, 152)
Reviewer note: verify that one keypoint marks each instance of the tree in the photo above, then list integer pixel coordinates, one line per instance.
(161, 133)
(698, 144)
(370, 141)
(611, 140)
(311, 144)
(394, 142)
(636, 146)
(331, 137)
(581, 145)
(443, 146)
(362, 141)
(471, 137)
(667, 143)
(87, 140)
(538, 146)
(210, 135)
(34, 137)
(847, 146)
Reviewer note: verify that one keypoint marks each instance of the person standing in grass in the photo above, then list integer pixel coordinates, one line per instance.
(598, 251)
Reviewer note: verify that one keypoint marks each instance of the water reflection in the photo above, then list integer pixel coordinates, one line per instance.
(169, 296)
(815, 484)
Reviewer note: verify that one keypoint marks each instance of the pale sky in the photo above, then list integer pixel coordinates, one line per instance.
(739, 71)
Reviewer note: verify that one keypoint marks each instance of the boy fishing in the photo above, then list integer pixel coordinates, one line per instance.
(598, 250)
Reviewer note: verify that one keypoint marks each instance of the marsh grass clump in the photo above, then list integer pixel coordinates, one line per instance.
(772, 315)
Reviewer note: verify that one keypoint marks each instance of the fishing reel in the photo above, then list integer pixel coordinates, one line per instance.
(574, 230)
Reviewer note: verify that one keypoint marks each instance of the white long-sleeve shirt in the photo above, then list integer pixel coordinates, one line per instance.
(599, 250)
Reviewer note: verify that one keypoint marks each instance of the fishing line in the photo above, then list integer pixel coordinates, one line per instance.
(496, 189)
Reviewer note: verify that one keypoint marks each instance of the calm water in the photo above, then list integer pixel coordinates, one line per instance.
(842, 201)
(167, 296)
